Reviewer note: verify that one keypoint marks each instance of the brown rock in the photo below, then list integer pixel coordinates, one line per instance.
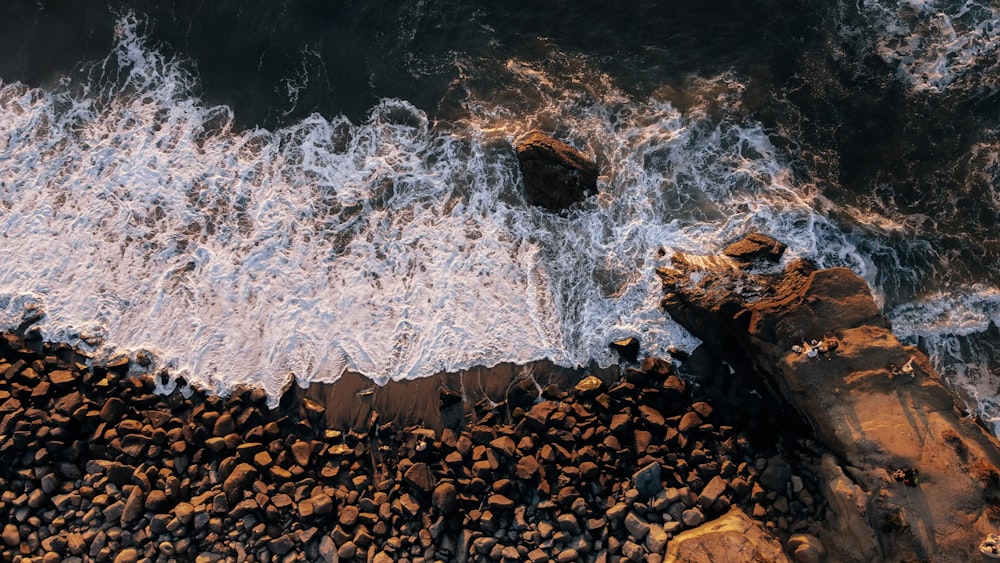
(133, 506)
(505, 445)
(11, 535)
(755, 246)
(348, 515)
(589, 387)
(555, 174)
(300, 452)
(62, 378)
(322, 504)
(445, 497)
(689, 422)
(500, 502)
(224, 425)
(712, 491)
(627, 348)
(281, 545)
(241, 477)
(112, 410)
(526, 468)
(156, 500)
(420, 477)
(135, 445)
(732, 537)
(127, 555)
(651, 417)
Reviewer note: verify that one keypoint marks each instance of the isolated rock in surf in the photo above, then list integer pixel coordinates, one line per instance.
(556, 175)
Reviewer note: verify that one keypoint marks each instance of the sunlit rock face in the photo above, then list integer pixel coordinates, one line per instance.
(918, 471)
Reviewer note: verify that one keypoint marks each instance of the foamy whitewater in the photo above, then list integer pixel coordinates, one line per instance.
(135, 217)
(935, 43)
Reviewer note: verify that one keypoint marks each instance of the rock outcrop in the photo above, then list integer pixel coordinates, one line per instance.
(911, 479)
(556, 175)
(732, 535)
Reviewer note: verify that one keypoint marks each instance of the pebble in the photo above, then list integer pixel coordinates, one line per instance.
(203, 479)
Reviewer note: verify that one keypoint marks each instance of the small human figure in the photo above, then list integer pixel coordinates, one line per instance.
(908, 475)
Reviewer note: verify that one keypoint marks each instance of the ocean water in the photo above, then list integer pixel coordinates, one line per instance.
(255, 192)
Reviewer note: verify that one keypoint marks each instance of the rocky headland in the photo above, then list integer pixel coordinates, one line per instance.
(802, 430)
(909, 476)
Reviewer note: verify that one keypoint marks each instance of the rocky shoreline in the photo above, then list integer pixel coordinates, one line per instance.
(98, 467)
(790, 435)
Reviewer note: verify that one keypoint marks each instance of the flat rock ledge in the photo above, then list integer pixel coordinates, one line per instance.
(908, 477)
(94, 466)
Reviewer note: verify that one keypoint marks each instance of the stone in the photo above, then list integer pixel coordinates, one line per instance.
(568, 523)
(689, 422)
(732, 537)
(224, 425)
(617, 511)
(314, 411)
(349, 515)
(184, 511)
(692, 517)
(238, 481)
(589, 387)
(11, 535)
(555, 174)
(656, 539)
(636, 525)
(806, 548)
(112, 410)
(156, 500)
(420, 477)
(300, 452)
(647, 480)
(281, 545)
(499, 502)
(328, 549)
(445, 497)
(62, 378)
(322, 504)
(127, 555)
(505, 445)
(755, 246)
(633, 552)
(652, 417)
(712, 491)
(135, 445)
(526, 467)
(627, 348)
(776, 475)
(347, 550)
(133, 506)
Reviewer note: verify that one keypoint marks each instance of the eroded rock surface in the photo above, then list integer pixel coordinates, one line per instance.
(556, 175)
(821, 342)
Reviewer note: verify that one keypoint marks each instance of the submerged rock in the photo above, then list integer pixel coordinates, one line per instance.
(556, 175)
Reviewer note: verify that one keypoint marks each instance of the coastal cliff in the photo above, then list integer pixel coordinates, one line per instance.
(908, 477)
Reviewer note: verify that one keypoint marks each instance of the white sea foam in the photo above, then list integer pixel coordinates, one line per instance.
(137, 218)
(934, 43)
(950, 326)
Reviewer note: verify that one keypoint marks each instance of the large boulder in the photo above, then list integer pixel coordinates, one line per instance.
(732, 537)
(755, 246)
(556, 175)
(819, 340)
